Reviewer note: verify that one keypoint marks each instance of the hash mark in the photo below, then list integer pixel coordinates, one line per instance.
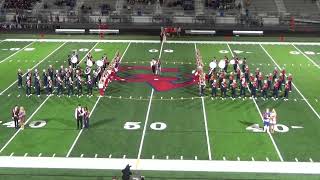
(238, 158)
(81, 155)
(124, 156)
(167, 157)
(110, 155)
(252, 159)
(310, 160)
(296, 159)
(54, 155)
(181, 157)
(96, 155)
(25, 155)
(152, 156)
(224, 158)
(40, 154)
(195, 158)
(267, 158)
(12, 154)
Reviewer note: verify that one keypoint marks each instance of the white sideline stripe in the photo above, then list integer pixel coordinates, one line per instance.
(306, 56)
(34, 66)
(315, 112)
(88, 52)
(272, 140)
(75, 141)
(162, 165)
(206, 127)
(205, 119)
(157, 41)
(16, 52)
(147, 115)
(16, 133)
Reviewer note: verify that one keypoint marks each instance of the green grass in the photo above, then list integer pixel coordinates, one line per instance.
(185, 132)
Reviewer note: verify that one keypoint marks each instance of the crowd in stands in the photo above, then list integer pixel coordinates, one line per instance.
(19, 4)
(222, 4)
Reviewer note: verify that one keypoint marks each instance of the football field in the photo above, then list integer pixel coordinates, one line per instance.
(154, 118)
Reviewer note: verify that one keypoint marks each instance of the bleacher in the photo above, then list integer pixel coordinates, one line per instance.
(98, 7)
(302, 6)
(262, 6)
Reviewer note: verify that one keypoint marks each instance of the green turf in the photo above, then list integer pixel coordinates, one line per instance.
(6, 48)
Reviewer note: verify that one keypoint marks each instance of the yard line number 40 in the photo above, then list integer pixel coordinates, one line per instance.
(157, 126)
(32, 124)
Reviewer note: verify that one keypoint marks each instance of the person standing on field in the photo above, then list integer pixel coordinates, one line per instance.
(22, 117)
(78, 114)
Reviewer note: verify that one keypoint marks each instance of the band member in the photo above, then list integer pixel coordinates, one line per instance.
(214, 87)
(87, 72)
(69, 85)
(86, 116)
(236, 63)
(19, 78)
(79, 85)
(275, 74)
(35, 74)
(51, 72)
(286, 91)
(257, 73)
(227, 63)
(78, 114)
(244, 64)
(260, 80)
(254, 88)
(28, 85)
(158, 67)
(290, 82)
(270, 79)
(223, 88)
(22, 117)
(202, 84)
(238, 71)
(55, 79)
(273, 120)
(234, 86)
(15, 116)
(275, 89)
(45, 78)
(264, 90)
(231, 78)
(37, 85)
(244, 86)
(60, 86)
(89, 86)
(246, 72)
(153, 64)
(266, 121)
(49, 86)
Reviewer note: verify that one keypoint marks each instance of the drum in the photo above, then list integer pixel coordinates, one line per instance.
(232, 61)
(222, 64)
(213, 65)
(99, 63)
(74, 59)
(89, 63)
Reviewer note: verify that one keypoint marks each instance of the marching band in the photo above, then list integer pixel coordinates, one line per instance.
(241, 79)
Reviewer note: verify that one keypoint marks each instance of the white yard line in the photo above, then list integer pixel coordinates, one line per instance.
(80, 132)
(206, 127)
(17, 132)
(157, 41)
(205, 120)
(315, 112)
(162, 165)
(147, 115)
(34, 67)
(257, 107)
(17, 52)
(306, 56)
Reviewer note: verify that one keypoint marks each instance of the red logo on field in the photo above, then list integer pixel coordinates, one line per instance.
(159, 83)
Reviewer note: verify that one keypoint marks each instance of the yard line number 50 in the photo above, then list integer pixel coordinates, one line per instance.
(157, 126)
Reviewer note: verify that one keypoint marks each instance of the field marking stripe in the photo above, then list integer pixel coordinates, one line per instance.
(206, 127)
(88, 52)
(16, 133)
(257, 107)
(306, 56)
(315, 112)
(17, 52)
(205, 119)
(34, 66)
(80, 132)
(157, 41)
(147, 117)
(75, 141)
